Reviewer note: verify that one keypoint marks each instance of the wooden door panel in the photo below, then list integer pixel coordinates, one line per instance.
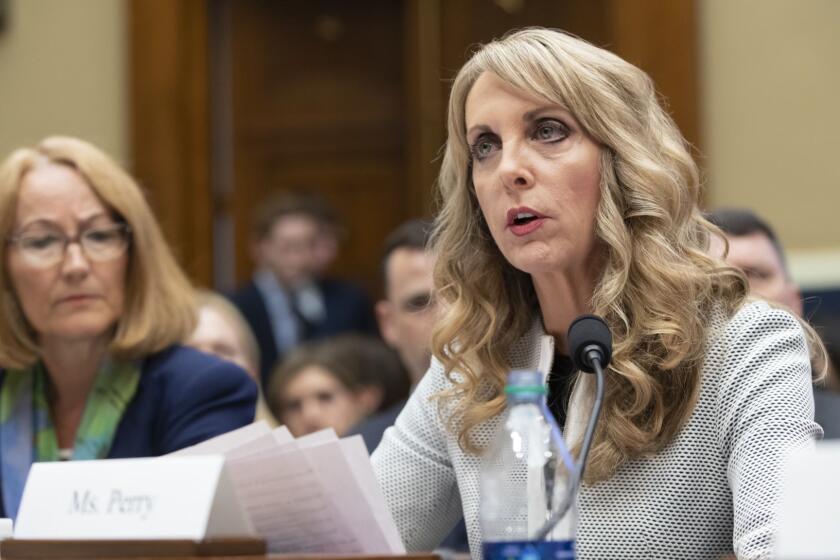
(319, 105)
(364, 191)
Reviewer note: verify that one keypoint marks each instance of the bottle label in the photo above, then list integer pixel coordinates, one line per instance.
(529, 550)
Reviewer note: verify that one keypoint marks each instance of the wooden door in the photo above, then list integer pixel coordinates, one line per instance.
(318, 105)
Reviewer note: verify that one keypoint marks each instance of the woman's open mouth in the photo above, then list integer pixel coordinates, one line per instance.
(522, 221)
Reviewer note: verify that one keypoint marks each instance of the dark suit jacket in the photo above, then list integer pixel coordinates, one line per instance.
(373, 427)
(183, 397)
(827, 412)
(348, 310)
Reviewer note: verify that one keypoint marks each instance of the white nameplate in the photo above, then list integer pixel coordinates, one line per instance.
(159, 498)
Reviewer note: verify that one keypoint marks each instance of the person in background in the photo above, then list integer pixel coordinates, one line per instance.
(379, 366)
(406, 318)
(407, 313)
(828, 326)
(566, 189)
(94, 311)
(754, 248)
(335, 383)
(287, 302)
(222, 331)
(329, 239)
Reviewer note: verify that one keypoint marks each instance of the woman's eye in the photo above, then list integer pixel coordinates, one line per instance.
(757, 274)
(40, 242)
(483, 147)
(551, 131)
(100, 236)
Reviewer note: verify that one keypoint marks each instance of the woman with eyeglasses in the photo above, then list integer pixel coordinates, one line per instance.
(94, 309)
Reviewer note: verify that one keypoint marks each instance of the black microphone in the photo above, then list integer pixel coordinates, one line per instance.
(590, 346)
(588, 334)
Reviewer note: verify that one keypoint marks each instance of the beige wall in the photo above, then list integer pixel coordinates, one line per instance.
(771, 116)
(63, 71)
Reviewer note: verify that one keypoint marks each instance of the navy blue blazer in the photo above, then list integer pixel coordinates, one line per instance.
(348, 309)
(373, 427)
(183, 397)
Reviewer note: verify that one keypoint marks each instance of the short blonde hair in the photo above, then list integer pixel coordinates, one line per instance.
(158, 308)
(206, 299)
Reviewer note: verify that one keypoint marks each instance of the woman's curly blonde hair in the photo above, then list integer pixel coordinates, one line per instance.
(658, 284)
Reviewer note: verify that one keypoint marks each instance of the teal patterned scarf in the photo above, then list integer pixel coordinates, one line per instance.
(27, 433)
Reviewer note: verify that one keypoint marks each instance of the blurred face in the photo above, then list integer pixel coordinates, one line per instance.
(536, 176)
(78, 297)
(316, 399)
(290, 249)
(407, 316)
(326, 249)
(756, 256)
(215, 335)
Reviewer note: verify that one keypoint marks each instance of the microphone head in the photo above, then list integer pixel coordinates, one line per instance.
(587, 331)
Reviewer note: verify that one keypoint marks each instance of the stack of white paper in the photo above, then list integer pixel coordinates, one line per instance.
(315, 494)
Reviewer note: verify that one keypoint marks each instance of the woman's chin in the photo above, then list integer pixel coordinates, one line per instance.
(535, 265)
(80, 331)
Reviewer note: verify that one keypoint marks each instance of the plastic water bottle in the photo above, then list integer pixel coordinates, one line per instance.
(525, 474)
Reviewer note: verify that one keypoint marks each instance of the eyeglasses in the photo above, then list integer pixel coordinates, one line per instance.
(45, 249)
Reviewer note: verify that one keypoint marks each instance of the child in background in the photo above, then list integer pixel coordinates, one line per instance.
(335, 384)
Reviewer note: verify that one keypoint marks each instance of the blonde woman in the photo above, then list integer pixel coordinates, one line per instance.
(222, 331)
(94, 308)
(567, 189)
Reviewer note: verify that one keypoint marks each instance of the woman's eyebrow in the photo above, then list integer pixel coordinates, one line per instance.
(50, 223)
(534, 114)
(477, 128)
(42, 222)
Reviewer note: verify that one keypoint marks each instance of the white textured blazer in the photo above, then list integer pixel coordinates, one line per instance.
(712, 491)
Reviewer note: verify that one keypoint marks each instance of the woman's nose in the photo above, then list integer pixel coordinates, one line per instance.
(515, 167)
(75, 261)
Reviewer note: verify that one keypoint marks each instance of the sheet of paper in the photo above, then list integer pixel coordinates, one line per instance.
(317, 438)
(314, 494)
(283, 435)
(357, 456)
(288, 505)
(225, 443)
(256, 446)
(335, 476)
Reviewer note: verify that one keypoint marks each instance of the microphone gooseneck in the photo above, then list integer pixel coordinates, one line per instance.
(590, 346)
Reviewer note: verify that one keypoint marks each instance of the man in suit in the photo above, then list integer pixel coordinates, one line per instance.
(406, 314)
(755, 249)
(287, 301)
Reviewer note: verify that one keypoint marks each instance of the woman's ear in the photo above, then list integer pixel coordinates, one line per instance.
(370, 397)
